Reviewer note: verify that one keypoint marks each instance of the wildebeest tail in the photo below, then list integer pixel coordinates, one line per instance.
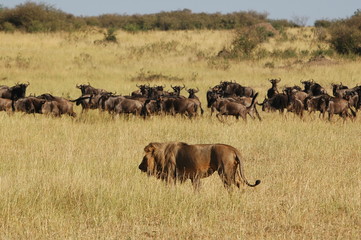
(78, 100)
(241, 172)
(253, 101)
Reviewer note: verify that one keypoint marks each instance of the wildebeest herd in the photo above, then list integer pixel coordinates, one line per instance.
(228, 98)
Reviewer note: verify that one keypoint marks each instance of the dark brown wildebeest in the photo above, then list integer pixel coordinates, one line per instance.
(107, 102)
(229, 89)
(297, 100)
(176, 90)
(339, 90)
(353, 98)
(178, 161)
(6, 105)
(15, 92)
(278, 102)
(318, 103)
(150, 107)
(273, 90)
(142, 92)
(29, 105)
(312, 88)
(87, 89)
(128, 106)
(56, 106)
(192, 95)
(236, 109)
(216, 102)
(179, 105)
(339, 106)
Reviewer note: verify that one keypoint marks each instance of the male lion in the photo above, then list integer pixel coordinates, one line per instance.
(178, 161)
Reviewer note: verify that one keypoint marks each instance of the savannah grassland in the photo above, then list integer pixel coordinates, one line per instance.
(79, 179)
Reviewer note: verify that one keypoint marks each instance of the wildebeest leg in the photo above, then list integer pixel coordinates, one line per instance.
(219, 118)
(257, 113)
(329, 116)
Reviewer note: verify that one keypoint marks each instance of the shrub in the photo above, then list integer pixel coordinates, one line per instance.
(109, 36)
(247, 39)
(346, 36)
(8, 27)
(323, 23)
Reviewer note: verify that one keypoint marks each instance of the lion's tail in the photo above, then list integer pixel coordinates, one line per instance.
(241, 172)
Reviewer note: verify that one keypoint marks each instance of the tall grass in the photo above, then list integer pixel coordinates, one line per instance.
(79, 179)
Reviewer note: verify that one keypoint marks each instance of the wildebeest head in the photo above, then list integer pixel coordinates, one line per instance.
(83, 88)
(307, 85)
(177, 89)
(274, 81)
(192, 92)
(211, 98)
(143, 89)
(18, 91)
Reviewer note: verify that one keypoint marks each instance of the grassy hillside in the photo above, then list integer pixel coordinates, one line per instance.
(79, 179)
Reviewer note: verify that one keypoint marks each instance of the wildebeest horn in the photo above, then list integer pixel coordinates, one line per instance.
(197, 90)
(28, 83)
(278, 80)
(183, 86)
(77, 86)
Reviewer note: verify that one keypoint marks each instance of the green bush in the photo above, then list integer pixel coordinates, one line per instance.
(109, 36)
(34, 17)
(247, 39)
(8, 27)
(346, 36)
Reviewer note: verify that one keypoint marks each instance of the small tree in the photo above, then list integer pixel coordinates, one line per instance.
(247, 39)
(109, 36)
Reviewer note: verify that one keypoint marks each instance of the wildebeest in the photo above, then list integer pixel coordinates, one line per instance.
(151, 106)
(278, 102)
(178, 161)
(128, 106)
(177, 105)
(6, 105)
(176, 90)
(87, 89)
(14, 92)
(56, 106)
(273, 90)
(339, 106)
(236, 109)
(143, 90)
(318, 103)
(339, 90)
(312, 88)
(235, 89)
(29, 105)
(192, 95)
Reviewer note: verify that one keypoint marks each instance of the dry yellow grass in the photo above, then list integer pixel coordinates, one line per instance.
(79, 179)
